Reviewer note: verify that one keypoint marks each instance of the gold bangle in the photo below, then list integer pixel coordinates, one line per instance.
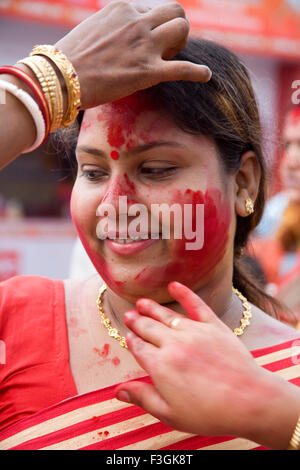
(295, 440)
(70, 76)
(42, 79)
(50, 85)
(55, 92)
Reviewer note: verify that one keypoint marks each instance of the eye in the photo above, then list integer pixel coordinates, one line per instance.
(93, 175)
(157, 171)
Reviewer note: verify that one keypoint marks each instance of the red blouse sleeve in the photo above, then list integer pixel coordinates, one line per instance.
(34, 362)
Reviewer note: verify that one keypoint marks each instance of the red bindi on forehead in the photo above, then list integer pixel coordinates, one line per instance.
(114, 155)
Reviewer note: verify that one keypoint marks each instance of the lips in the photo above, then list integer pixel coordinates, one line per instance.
(129, 246)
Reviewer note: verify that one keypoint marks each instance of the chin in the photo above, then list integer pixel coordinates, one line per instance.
(131, 291)
(160, 296)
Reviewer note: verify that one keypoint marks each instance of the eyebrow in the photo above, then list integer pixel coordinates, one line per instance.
(134, 151)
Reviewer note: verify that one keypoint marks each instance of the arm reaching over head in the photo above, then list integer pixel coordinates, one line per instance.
(205, 380)
(117, 51)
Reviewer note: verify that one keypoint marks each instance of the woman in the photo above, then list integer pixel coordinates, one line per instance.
(176, 143)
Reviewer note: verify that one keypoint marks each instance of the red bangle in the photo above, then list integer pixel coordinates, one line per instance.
(36, 89)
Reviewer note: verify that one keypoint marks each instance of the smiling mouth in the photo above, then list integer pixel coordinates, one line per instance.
(130, 246)
(126, 241)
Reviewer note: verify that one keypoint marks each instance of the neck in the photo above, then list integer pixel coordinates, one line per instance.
(217, 295)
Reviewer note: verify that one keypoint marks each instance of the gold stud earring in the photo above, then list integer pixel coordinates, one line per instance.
(249, 206)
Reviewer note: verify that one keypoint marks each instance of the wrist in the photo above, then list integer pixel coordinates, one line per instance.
(274, 412)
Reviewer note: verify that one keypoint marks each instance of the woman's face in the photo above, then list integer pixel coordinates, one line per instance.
(130, 149)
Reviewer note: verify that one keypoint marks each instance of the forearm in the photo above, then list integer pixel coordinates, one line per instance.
(17, 129)
(15, 120)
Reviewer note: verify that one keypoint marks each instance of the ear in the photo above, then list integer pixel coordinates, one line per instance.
(247, 180)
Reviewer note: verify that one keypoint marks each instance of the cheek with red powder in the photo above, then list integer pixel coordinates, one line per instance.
(101, 266)
(190, 266)
(186, 266)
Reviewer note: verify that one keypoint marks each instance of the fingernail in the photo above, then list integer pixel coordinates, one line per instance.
(141, 302)
(209, 72)
(122, 395)
(174, 284)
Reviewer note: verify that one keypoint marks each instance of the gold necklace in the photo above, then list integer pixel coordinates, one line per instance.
(113, 332)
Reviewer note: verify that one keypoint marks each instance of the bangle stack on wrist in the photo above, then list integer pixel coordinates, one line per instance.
(50, 85)
(70, 77)
(295, 440)
(47, 108)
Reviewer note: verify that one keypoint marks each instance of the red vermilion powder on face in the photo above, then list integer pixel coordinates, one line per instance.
(186, 266)
(190, 266)
(293, 116)
(119, 187)
(85, 125)
(120, 119)
(130, 184)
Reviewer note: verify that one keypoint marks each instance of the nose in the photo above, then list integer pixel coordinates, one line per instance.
(119, 190)
(113, 191)
(119, 194)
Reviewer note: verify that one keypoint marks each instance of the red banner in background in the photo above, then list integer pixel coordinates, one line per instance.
(258, 26)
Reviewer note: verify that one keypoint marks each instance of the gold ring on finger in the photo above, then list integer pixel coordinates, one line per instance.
(175, 322)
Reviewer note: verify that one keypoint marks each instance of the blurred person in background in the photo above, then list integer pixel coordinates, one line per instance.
(277, 245)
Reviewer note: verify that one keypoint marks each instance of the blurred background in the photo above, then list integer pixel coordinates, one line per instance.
(36, 233)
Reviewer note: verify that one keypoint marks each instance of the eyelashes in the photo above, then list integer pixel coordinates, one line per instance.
(93, 175)
(154, 173)
(157, 172)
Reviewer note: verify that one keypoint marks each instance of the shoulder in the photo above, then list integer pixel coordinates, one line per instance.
(26, 289)
(28, 300)
(32, 321)
(266, 331)
(24, 282)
